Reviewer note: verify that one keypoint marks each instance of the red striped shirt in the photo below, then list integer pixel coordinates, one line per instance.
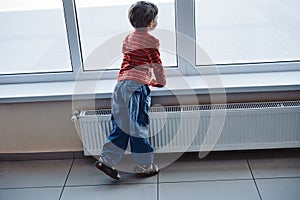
(141, 57)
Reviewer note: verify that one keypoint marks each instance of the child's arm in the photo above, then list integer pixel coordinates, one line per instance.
(160, 78)
(154, 83)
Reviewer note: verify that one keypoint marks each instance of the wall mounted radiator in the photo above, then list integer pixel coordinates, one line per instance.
(206, 127)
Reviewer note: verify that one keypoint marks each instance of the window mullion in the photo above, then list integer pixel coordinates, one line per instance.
(73, 36)
(185, 22)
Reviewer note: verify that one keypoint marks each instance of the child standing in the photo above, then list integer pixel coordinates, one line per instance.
(131, 98)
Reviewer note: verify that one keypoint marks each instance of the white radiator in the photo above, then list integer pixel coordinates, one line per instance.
(190, 128)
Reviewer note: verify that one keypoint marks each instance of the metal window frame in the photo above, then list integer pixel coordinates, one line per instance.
(186, 53)
(74, 51)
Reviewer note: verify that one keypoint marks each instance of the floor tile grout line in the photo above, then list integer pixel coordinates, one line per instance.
(279, 177)
(63, 188)
(109, 184)
(260, 197)
(207, 180)
(30, 187)
(156, 183)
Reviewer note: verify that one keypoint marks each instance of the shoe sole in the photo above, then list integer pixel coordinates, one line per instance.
(113, 173)
(145, 175)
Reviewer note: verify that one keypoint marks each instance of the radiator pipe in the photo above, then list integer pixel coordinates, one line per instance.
(75, 115)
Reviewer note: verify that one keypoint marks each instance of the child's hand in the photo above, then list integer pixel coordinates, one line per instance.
(154, 83)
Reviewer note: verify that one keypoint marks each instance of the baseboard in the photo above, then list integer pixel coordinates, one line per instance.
(41, 156)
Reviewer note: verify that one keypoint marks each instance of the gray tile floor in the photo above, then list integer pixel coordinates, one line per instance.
(253, 175)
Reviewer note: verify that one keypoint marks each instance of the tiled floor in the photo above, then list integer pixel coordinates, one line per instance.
(253, 175)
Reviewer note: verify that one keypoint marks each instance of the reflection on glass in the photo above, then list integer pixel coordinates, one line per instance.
(103, 21)
(33, 37)
(244, 31)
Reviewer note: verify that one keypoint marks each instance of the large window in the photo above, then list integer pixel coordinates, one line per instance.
(33, 37)
(104, 22)
(50, 40)
(244, 31)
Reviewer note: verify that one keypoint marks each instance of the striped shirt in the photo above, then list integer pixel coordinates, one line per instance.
(141, 57)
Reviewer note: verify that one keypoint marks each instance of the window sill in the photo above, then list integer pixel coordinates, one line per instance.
(231, 83)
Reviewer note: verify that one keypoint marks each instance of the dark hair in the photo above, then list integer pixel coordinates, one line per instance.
(142, 13)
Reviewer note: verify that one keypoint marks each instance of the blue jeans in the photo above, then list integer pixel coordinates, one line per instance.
(130, 120)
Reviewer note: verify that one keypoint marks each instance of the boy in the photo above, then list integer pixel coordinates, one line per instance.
(131, 98)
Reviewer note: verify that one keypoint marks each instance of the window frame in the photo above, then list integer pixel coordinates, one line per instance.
(237, 68)
(186, 53)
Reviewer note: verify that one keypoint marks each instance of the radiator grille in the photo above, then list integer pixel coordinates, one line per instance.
(184, 128)
(97, 112)
(263, 105)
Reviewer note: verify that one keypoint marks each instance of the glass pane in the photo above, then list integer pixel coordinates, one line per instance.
(103, 22)
(33, 37)
(248, 31)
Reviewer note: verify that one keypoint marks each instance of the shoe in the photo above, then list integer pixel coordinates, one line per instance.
(146, 170)
(108, 170)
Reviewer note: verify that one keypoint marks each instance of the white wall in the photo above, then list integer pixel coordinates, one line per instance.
(46, 126)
